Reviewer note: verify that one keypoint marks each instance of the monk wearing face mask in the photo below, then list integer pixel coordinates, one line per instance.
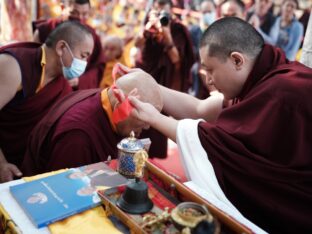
(31, 81)
(77, 67)
(78, 10)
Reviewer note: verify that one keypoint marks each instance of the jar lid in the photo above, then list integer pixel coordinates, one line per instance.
(130, 144)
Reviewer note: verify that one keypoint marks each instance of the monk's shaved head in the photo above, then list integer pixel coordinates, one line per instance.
(231, 34)
(113, 39)
(112, 47)
(70, 31)
(146, 85)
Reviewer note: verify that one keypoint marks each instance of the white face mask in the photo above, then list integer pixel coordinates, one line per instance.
(76, 69)
(209, 18)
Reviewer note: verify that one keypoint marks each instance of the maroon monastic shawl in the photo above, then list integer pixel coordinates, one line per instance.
(91, 78)
(261, 147)
(26, 109)
(83, 135)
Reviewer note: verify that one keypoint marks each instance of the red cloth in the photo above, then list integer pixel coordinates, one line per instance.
(91, 78)
(124, 107)
(122, 111)
(261, 148)
(82, 136)
(26, 109)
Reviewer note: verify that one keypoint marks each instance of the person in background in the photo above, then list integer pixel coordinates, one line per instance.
(208, 16)
(233, 8)
(167, 55)
(261, 15)
(255, 158)
(87, 132)
(113, 53)
(287, 31)
(166, 48)
(78, 10)
(31, 81)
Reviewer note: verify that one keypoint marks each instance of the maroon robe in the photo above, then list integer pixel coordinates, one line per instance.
(82, 135)
(91, 78)
(25, 110)
(261, 147)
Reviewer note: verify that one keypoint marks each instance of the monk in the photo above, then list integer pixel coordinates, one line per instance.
(78, 10)
(31, 81)
(113, 47)
(86, 132)
(256, 157)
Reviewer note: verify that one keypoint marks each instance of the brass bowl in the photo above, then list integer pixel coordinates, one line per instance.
(189, 214)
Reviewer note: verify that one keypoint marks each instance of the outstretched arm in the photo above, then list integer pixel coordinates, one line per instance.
(181, 105)
(149, 114)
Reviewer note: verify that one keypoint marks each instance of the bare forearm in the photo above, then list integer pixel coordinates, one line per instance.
(178, 104)
(181, 105)
(166, 125)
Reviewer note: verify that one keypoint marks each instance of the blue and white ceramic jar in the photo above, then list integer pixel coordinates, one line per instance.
(127, 148)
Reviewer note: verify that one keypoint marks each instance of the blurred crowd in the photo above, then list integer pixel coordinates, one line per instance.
(162, 37)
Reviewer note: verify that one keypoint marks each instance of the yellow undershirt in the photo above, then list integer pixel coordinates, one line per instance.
(108, 107)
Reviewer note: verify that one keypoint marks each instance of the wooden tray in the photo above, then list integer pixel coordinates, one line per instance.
(172, 190)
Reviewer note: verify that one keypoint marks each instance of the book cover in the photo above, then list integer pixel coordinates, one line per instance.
(58, 196)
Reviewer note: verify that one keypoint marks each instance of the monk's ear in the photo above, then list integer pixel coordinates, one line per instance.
(59, 47)
(237, 59)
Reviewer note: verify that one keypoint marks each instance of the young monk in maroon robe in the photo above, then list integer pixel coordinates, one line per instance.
(31, 81)
(86, 131)
(256, 157)
(78, 10)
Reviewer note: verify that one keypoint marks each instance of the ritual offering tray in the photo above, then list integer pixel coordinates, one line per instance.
(176, 209)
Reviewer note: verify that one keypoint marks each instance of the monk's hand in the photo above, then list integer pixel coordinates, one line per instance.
(8, 171)
(121, 97)
(143, 111)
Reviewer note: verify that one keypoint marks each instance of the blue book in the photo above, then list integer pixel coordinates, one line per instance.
(58, 196)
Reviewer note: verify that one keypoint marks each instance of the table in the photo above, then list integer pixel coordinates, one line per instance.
(103, 224)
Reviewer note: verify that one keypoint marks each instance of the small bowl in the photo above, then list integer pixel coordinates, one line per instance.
(189, 214)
